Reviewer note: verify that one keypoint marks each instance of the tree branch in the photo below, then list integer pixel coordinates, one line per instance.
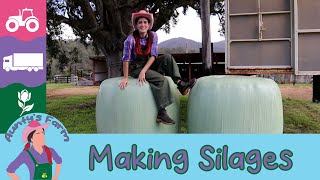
(114, 20)
(99, 6)
(90, 31)
(88, 14)
(89, 17)
(160, 20)
(131, 4)
(61, 19)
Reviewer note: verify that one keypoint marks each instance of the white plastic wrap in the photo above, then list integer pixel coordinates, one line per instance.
(132, 110)
(235, 104)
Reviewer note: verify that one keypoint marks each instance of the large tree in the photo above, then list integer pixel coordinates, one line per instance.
(108, 22)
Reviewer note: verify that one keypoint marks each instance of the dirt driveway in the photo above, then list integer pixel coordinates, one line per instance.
(288, 91)
(77, 91)
(297, 92)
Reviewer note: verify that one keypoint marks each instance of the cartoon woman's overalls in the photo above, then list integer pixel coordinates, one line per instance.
(42, 171)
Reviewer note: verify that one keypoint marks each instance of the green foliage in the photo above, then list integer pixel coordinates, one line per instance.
(75, 55)
(63, 61)
(72, 55)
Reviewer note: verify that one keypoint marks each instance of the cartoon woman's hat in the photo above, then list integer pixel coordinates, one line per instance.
(142, 13)
(32, 126)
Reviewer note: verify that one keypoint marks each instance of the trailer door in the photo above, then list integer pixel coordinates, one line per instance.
(259, 36)
(307, 35)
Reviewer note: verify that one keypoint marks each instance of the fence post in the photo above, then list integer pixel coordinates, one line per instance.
(316, 89)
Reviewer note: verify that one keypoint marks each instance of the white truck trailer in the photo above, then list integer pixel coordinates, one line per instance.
(23, 61)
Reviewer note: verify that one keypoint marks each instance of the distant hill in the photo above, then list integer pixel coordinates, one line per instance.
(190, 44)
(219, 47)
(180, 42)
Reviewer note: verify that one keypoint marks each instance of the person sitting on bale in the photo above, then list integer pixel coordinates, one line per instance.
(141, 50)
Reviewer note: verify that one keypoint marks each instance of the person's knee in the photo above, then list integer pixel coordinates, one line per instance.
(168, 57)
(162, 80)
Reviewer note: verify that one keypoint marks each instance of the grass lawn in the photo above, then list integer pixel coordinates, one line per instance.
(51, 86)
(301, 116)
(78, 114)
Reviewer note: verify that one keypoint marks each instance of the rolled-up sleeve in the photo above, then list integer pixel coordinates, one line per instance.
(55, 156)
(14, 165)
(154, 48)
(127, 48)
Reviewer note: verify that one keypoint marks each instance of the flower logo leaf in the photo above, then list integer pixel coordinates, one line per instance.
(28, 108)
(20, 104)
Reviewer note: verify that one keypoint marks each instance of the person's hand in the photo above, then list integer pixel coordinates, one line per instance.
(13, 176)
(124, 83)
(55, 177)
(16, 178)
(142, 77)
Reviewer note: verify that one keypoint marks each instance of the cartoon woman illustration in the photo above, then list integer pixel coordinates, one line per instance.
(37, 157)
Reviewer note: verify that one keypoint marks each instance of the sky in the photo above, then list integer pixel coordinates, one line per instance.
(188, 26)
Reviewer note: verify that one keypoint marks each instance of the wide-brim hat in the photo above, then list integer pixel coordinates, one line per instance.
(32, 126)
(142, 13)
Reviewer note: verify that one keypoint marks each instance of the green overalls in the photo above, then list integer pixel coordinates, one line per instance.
(41, 171)
(163, 65)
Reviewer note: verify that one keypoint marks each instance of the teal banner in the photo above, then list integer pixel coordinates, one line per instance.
(102, 156)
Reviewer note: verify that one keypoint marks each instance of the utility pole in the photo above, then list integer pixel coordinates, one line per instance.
(206, 37)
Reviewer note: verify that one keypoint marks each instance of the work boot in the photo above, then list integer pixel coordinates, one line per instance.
(164, 118)
(184, 87)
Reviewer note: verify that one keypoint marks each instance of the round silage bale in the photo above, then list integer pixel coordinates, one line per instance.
(235, 104)
(132, 110)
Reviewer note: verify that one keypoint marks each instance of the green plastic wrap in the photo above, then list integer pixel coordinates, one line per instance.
(235, 104)
(132, 110)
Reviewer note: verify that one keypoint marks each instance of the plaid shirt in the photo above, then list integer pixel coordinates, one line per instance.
(129, 46)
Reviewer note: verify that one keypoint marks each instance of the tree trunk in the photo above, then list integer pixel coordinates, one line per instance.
(316, 89)
(206, 38)
(114, 64)
(113, 57)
